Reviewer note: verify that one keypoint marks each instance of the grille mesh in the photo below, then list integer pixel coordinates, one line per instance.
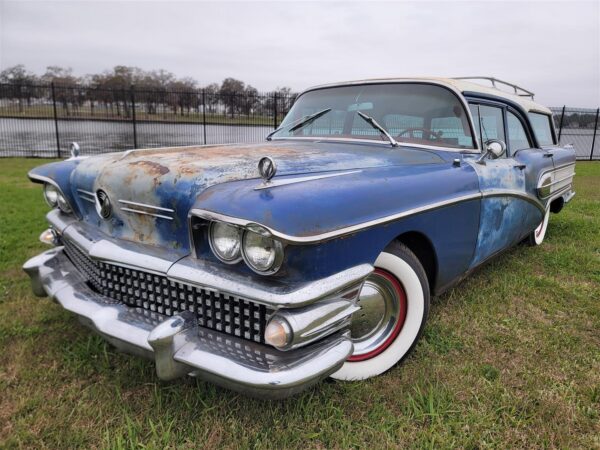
(156, 293)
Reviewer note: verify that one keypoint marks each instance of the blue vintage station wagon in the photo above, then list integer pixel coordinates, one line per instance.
(266, 268)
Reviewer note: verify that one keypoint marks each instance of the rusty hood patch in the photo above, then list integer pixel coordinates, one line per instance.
(172, 178)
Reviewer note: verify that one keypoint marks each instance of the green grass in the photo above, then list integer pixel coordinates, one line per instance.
(510, 359)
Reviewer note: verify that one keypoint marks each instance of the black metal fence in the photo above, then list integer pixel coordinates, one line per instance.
(579, 127)
(42, 120)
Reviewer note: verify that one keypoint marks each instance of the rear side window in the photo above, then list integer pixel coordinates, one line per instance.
(541, 128)
(517, 137)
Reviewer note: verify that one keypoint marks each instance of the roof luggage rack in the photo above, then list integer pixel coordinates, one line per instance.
(518, 89)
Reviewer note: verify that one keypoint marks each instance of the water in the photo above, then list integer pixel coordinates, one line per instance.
(37, 138)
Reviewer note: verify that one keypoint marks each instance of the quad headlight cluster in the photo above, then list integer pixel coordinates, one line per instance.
(231, 243)
(55, 198)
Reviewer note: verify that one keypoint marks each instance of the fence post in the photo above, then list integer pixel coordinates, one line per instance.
(595, 132)
(55, 120)
(204, 114)
(562, 116)
(135, 142)
(275, 111)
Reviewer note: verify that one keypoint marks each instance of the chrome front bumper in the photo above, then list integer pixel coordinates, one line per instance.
(178, 346)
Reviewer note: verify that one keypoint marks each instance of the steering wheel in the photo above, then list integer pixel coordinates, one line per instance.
(431, 135)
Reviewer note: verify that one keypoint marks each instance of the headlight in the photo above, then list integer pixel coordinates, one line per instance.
(63, 205)
(278, 333)
(224, 240)
(51, 195)
(262, 253)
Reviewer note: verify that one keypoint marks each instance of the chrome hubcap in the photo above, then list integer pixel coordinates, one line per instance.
(382, 307)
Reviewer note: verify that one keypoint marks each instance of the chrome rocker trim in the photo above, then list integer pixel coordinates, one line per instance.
(178, 346)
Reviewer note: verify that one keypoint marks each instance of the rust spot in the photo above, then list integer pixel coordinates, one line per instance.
(201, 153)
(151, 167)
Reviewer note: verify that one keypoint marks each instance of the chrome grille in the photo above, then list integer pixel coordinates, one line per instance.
(156, 293)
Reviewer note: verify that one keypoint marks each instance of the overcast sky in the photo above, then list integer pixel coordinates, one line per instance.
(552, 48)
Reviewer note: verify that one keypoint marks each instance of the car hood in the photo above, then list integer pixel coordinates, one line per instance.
(161, 185)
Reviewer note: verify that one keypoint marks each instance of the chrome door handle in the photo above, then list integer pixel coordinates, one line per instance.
(548, 155)
(519, 166)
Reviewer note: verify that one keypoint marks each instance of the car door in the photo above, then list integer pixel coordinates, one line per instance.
(557, 180)
(536, 162)
(509, 208)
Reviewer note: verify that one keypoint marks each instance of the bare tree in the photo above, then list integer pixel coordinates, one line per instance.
(230, 90)
(20, 84)
(65, 86)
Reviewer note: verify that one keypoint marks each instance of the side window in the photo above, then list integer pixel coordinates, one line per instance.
(541, 128)
(492, 123)
(517, 137)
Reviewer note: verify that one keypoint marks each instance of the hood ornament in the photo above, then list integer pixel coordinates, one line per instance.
(267, 168)
(103, 205)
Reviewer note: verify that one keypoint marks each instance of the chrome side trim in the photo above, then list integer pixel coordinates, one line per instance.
(514, 193)
(148, 210)
(145, 205)
(87, 196)
(210, 215)
(286, 181)
(136, 211)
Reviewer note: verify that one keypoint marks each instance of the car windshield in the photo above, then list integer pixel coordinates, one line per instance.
(423, 114)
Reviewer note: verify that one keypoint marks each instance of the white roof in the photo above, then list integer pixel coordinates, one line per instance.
(456, 84)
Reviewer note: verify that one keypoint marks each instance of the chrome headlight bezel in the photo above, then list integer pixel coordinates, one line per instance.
(51, 194)
(277, 247)
(55, 198)
(63, 204)
(213, 246)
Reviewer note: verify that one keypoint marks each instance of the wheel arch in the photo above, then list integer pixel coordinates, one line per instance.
(421, 246)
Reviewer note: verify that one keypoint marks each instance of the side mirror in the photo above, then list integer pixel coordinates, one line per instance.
(494, 149)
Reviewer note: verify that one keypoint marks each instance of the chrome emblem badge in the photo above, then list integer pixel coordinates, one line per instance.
(103, 205)
(267, 168)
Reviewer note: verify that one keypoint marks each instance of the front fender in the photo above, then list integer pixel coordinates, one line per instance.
(58, 173)
(338, 222)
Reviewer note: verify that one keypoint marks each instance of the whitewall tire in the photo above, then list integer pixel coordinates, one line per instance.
(536, 237)
(394, 307)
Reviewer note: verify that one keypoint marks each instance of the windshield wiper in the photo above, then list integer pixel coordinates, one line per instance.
(375, 125)
(300, 122)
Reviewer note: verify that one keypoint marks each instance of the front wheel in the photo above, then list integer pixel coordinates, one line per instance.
(394, 305)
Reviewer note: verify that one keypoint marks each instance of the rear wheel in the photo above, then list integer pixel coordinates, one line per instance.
(394, 307)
